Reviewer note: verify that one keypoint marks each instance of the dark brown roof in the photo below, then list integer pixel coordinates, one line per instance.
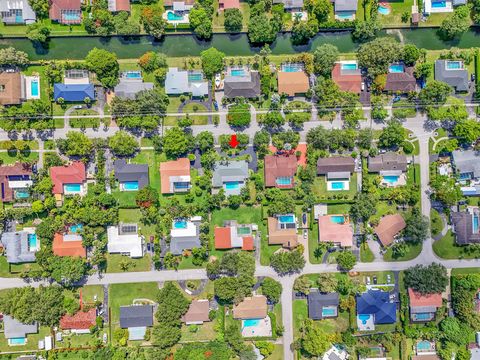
(11, 88)
(18, 169)
(403, 82)
(463, 228)
(335, 164)
(279, 166)
(387, 162)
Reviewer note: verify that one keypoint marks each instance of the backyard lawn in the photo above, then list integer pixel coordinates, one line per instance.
(135, 216)
(124, 294)
(398, 8)
(203, 332)
(320, 189)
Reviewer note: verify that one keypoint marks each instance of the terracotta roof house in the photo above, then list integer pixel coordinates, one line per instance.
(389, 227)
(15, 180)
(254, 307)
(400, 79)
(68, 245)
(118, 5)
(197, 312)
(293, 83)
(282, 231)
(423, 307)
(335, 229)
(69, 180)
(465, 226)
(12, 89)
(246, 85)
(280, 171)
(429, 357)
(348, 76)
(228, 4)
(80, 322)
(233, 235)
(387, 162)
(175, 176)
(322, 305)
(335, 164)
(66, 12)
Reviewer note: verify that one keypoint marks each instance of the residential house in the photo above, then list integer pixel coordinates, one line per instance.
(400, 79)
(280, 171)
(335, 353)
(465, 226)
(68, 180)
(466, 164)
(348, 76)
(16, 332)
(335, 229)
(68, 245)
(12, 89)
(136, 318)
(322, 305)
(228, 4)
(175, 176)
(15, 12)
(337, 171)
(179, 6)
(293, 83)
(374, 308)
(242, 84)
(119, 5)
(345, 9)
(231, 176)
(185, 235)
(131, 177)
(423, 307)
(282, 230)
(197, 313)
(124, 239)
(179, 82)
(389, 227)
(232, 235)
(129, 87)
(252, 307)
(290, 5)
(437, 6)
(73, 92)
(428, 357)
(391, 167)
(67, 12)
(80, 322)
(20, 247)
(453, 73)
(15, 181)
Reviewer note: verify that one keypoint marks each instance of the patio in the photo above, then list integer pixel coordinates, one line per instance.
(257, 327)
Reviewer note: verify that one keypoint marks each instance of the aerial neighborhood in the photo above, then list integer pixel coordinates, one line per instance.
(286, 180)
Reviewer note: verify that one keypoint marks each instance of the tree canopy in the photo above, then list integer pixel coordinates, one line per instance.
(175, 143)
(76, 144)
(233, 20)
(272, 289)
(287, 262)
(212, 61)
(123, 144)
(378, 54)
(324, 58)
(427, 279)
(105, 65)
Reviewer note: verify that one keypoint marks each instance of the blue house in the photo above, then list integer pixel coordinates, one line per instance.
(73, 92)
(374, 308)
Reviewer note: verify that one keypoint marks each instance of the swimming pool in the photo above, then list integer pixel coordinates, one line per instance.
(396, 68)
(292, 67)
(349, 66)
(284, 181)
(193, 77)
(172, 16)
(34, 88)
(71, 16)
(237, 72)
(391, 179)
(133, 75)
(287, 219)
(251, 322)
(338, 185)
(439, 4)
(32, 241)
(383, 9)
(329, 311)
(72, 187)
(181, 185)
(423, 317)
(130, 185)
(337, 219)
(17, 341)
(244, 230)
(344, 16)
(75, 228)
(232, 185)
(424, 345)
(364, 318)
(22, 194)
(180, 224)
(454, 65)
(475, 224)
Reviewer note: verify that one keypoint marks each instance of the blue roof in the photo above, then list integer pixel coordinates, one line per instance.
(377, 303)
(73, 92)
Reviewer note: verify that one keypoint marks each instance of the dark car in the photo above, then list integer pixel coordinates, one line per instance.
(375, 280)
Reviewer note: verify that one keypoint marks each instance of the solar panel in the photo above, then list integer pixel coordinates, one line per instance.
(128, 229)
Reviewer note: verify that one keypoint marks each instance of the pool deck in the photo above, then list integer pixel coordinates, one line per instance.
(402, 180)
(185, 19)
(28, 87)
(368, 326)
(263, 329)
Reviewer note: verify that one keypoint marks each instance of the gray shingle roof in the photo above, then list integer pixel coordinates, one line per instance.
(127, 89)
(346, 5)
(318, 300)
(463, 228)
(17, 247)
(15, 329)
(456, 78)
(9, 8)
(131, 172)
(136, 316)
(335, 164)
(229, 171)
(244, 86)
(386, 162)
(467, 161)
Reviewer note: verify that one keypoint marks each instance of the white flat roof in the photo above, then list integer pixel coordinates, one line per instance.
(131, 243)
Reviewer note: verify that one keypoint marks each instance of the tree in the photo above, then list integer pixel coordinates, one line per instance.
(67, 270)
(204, 141)
(125, 26)
(151, 61)
(75, 144)
(467, 131)
(366, 30)
(324, 58)
(317, 138)
(212, 62)
(445, 190)
(378, 54)
(363, 207)
(287, 262)
(261, 29)
(40, 7)
(171, 305)
(452, 330)
(227, 289)
(346, 260)
(411, 54)
(123, 144)
(302, 284)
(327, 282)
(201, 22)
(392, 135)
(322, 9)
(303, 31)
(105, 65)
(239, 115)
(427, 279)
(233, 20)
(314, 341)
(416, 230)
(423, 70)
(456, 24)
(175, 143)
(261, 140)
(165, 336)
(153, 21)
(38, 33)
(13, 57)
(266, 348)
(272, 120)
(147, 197)
(272, 289)
(434, 93)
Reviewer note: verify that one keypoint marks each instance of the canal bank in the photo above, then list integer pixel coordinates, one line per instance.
(183, 45)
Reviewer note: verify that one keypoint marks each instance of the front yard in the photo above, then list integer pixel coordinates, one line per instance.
(121, 263)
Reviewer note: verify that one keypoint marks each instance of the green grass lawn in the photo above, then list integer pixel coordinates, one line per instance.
(12, 157)
(366, 255)
(412, 253)
(83, 123)
(333, 209)
(203, 332)
(300, 314)
(90, 291)
(32, 341)
(313, 244)
(446, 248)
(395, 16)
(124, 294)
(114, 262)
(436, 223)
(125, 198)
(153, 160)
(320, 189)
(190, 109)
(135, 216)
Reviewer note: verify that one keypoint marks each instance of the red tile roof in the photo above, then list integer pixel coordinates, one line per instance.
(68, 248)
(417, 299)
(292, 83)
(351, 83)
(57, 6)
(123, 5)
(279, 166)
(223, 238)
(302, 160)
(68, 174)
(82, 320)
(179, 167)
(389, 227)
(229, 4)
(248, 243)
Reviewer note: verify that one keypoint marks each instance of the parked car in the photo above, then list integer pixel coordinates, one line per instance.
(78, 107)
(368, 280)
(389, 279)
(375, 280)
(396, 98)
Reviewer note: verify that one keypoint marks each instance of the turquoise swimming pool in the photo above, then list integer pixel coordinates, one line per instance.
(338, 185)
(396, 68)
(32, 241)
(195, 77)
(349, 66)
(237, 72)
(72, 187)
(284, 181)
(133, 74)
(364, 318)
(337, 219)
(424, 345)
(329, 311)
(34, 88)
(22, 194)
(475, 224)
(232, 185)
(130, 185)
(75, 228)
(454, 65)
(17, 341)
(180, 224)
(292, 67)
(391, 179)
(251, 322)
(287, 219)
(172, 16)
(383, 10)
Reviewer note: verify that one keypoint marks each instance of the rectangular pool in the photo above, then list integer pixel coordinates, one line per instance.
(32, 241)
(338, 185)
(337, 219)
(232, 185)
(17, 341)
(423, 317)
(424, 345)
(475, 224)
(22, 194)
(244, 230)
(349, 66)
(292, 67)
(195, 77)
(251, 322)
(75, 228)
(133, 75)
(284, 181)
(329, 311)
(396, 68)
(237, 72)
(72, 187)
(390, 179)
(454, 65)
(34, 88)
(286, 219)
(130, 185)
(439, 4)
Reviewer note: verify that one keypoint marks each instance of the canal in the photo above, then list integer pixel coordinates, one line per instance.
(237, 45)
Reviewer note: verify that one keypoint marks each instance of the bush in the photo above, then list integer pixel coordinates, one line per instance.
(408, 147)
(239, 115)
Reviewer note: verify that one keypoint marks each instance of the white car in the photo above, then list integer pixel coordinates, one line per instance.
(78, 107)
(368, 280)
(389, 279)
